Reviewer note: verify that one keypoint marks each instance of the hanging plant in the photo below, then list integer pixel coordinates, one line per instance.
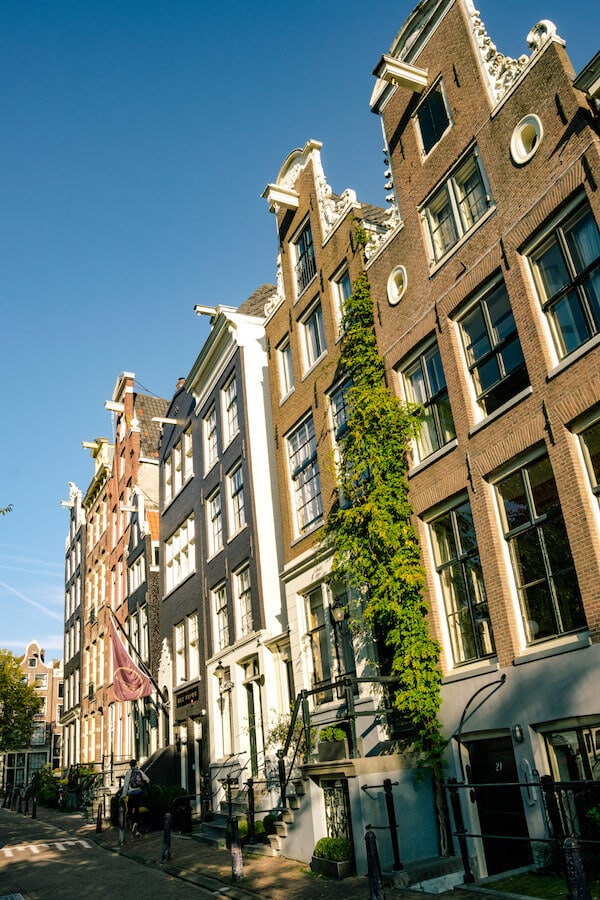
(371, 532)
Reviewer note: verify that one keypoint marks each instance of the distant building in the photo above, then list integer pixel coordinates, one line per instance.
(74, 606)
(45, 745)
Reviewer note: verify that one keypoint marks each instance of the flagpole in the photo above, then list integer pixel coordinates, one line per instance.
(147, 671)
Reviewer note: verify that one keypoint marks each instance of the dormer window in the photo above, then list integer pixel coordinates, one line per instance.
(433, 117)
(306, 267)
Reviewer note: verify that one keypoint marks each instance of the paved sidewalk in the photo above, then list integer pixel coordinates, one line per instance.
(271, 878)
(209, 869)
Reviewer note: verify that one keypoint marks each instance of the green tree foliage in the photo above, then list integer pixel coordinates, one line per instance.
(18, 704)
(374, 542)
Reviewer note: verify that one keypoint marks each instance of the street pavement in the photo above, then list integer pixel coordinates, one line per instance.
(59, 855)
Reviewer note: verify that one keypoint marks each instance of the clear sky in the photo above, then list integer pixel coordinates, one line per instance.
(136, 137)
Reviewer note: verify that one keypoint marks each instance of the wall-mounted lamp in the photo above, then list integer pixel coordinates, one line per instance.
(517, 733)
(338, 612)
(219, 672)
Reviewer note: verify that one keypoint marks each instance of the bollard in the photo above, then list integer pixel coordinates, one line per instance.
(374, 867)
(121, 823)
(26, 810)
(251, 834)
(34, 808)
(20, 803)
(166, 854)
(460, 830)
(389, 802)
(99, 820)
(237, 862)
(576, 880)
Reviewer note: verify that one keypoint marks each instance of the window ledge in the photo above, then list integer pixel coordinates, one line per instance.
(470, 670)
(564, 644)
(501, 410)
(287, 396)
(314, 365)
(233, 536)
(433, 457)
(573, 357)
(318, 524)
(178, 585)
(304, 290)
(436, 266)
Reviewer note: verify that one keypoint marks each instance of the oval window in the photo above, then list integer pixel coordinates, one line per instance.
(526, 138)
(396, 285)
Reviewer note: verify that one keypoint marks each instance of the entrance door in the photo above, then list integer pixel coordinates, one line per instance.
(500, 804)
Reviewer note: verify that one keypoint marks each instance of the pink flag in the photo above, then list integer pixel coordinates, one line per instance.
(128, 681)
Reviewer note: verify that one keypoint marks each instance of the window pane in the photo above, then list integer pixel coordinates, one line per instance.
(477, 341)
(591, 442)
(513, 495)
(471, 194)
(433, 118)
(543, 487)
(583, 240)
(571, 322)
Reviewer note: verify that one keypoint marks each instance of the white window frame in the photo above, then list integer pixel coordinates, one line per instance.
(450, 196)
(230, 403)
(305, 264)
(438, 86)
(179, 652)
(193, 646)
(341, 289)
(180, 555)
(298, 465)
(417, 362)
(222, 629)
(286, 368)
(211, 438)
(236, 500)
(313, 335)
(243, 599)
(214, 522)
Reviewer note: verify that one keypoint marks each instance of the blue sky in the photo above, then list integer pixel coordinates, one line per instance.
(136, 139)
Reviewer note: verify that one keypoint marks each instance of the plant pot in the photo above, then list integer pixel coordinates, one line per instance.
(330, 751)
(332, 869)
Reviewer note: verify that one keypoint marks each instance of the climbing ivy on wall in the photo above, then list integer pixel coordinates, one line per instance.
(375, 545)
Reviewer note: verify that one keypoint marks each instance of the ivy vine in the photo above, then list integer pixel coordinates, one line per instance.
(370, 530)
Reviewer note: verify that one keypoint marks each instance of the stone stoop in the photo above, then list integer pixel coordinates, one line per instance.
(432, 876)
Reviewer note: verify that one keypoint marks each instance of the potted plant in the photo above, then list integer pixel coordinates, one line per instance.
(332, 744)
(333, 857)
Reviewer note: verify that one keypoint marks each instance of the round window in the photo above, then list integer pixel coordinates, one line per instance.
(526, 138)
(396, 285)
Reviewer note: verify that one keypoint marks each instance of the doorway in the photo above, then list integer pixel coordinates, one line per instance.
(500, 805)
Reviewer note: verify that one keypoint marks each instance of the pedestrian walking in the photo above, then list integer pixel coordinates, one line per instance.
(134, 791)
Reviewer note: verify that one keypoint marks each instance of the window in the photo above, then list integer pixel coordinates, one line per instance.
(230, 405)
(38, 735)
(221, 616)
(433, 117)
(306, 267)
(41, 682)
(493, 350)
(314, 335)
(286, 370)
(210, 438)
(180, 558)
(425, 385)
(32, 662)
(459, 571)
(137, 574)
(243, 594)
(193, 647)
(342, 289)
(305, 477)
(566, 267)
(457, 206)
(319, 645)
(187, 458)
(179, 652)
(338, 402)
(237, 509)
(540, 553)
(590, 441)
(215, 523)
(574, 753)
